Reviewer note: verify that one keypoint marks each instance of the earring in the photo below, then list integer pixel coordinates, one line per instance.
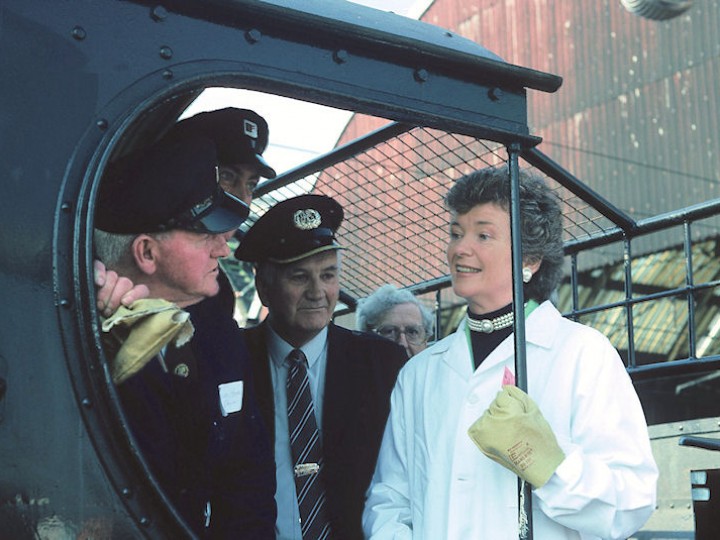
(527, 275)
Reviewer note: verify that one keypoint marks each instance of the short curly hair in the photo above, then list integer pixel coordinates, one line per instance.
(541, 220)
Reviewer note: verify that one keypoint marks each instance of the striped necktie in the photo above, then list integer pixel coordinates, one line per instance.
(306, 450)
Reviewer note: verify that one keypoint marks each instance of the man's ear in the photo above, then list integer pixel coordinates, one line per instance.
(144, 251)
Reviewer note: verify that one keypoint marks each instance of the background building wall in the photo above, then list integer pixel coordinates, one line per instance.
(637, 115)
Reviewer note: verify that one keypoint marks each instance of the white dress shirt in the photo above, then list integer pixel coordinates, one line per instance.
(288, 518)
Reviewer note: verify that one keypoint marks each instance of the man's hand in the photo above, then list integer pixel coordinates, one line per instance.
(114, 291)
(514, 433)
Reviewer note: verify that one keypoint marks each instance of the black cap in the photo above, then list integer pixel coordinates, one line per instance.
(240, 135)
(172, 184)
(292, 230)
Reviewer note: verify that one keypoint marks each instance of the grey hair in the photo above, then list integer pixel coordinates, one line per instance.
(541, 220)
(114, 250)
(370, 310)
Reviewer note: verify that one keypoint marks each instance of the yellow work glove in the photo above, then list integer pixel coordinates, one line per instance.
(136, 334)
(514, 433)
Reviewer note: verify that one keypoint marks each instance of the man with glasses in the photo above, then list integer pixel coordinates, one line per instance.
(398, 315)
(304, 366)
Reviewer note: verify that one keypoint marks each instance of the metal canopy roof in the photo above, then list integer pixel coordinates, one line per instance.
(405, 40)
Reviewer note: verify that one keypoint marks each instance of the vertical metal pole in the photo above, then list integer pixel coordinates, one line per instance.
(438, 315)
(690, 283)
(574, 285)
(525, 525)
(627, 264)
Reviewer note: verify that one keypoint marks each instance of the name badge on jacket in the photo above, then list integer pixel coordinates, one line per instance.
(231, 397)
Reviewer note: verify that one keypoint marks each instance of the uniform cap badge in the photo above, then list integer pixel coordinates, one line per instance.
(307, 219)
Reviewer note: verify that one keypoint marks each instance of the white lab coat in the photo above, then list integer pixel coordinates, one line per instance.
(432, 482)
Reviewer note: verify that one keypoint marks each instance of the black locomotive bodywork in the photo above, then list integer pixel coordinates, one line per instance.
(82, 81)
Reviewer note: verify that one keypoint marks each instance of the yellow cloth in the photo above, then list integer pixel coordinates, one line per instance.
(514, 433)
(136, 334)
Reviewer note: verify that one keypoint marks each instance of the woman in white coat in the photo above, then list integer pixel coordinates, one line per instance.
(459, 434)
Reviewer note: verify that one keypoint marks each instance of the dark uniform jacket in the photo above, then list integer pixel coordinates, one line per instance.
(197, 454)
(360, 374)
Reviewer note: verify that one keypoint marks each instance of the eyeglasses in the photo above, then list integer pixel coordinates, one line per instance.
(415, 335)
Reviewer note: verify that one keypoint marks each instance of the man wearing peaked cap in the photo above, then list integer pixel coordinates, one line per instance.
(171, 185)
(163, 221)
(241, 137)
(350, 374)
(292, 230)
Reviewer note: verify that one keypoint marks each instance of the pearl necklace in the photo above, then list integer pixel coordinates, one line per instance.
(490, 325)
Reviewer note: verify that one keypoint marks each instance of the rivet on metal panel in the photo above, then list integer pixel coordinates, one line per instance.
(166, 52)
(66, 206)
(495, 94)
(421, 75)
(64, 303)
(79, 33)
(145, 521)
(127, 492)
(680, 428)
(87, 403)
(167, 74)
(158, 13)
(253, 35)
(102, 124)
(340, 56)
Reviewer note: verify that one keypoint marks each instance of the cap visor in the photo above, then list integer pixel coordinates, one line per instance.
(227, 214)
(266, 171)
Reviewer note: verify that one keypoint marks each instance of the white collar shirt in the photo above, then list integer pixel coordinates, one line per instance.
(315, 350)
